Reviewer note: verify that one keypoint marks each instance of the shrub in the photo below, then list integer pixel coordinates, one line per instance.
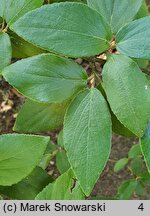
(60, 92)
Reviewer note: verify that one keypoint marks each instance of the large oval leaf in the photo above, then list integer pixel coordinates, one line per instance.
(46, 78)
(12, 10)
(134, 39)
(117, 13)
(19, 155)
(39, 117)
(87, 137)
(5, 50)
(64, 188)
(72, 29)
(145, 146)
(128, 92)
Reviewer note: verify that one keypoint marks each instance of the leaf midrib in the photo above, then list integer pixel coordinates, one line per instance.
(64, 30)
(53, 77)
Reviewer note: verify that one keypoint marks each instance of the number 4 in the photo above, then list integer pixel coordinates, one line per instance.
(141, 207)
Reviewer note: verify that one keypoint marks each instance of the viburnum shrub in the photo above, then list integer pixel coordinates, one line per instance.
(60, 92)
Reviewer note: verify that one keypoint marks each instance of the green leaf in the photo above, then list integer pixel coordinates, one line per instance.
(53, 1)
(142, 63)
(135, 151)
(2, 6)
(22, 48)
(19, 155)
(115, 12)
(45, 161)
(72, 29)
(140, 189)
(87, 137)
(134, 39)
(145, 146)
(46, 78)
(145, 178)
(64, 188)
(51, 148)
(49, 153)
(5, 50)
(12, 10)
(119, 128)
(148, 77)
(60, 139)
(62, 162)
(39, 117)
(126, 189)
(120, 164)
(1, 20)
(29, 187)
(129, 102)
(143, 11)
(137, 166)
